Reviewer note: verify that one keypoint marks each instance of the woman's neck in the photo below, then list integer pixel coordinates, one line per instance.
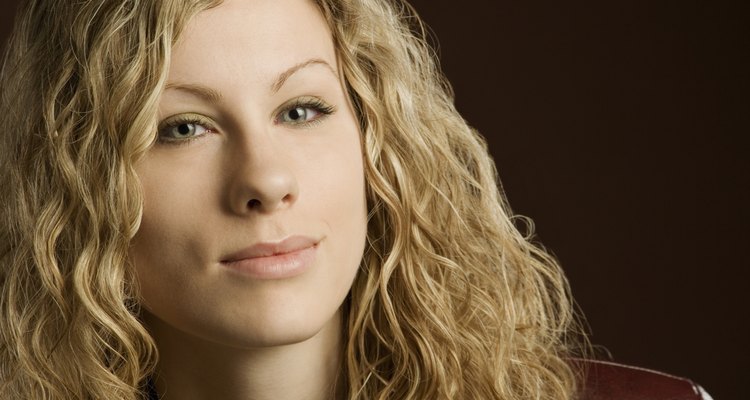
(190, 368)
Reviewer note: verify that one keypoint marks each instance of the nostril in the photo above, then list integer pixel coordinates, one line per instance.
(253, 203)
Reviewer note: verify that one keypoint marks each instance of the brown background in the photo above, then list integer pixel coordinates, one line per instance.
(621, 128)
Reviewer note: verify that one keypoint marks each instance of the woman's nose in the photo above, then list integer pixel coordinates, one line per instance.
(263, 179)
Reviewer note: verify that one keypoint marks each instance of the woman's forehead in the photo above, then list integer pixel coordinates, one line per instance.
(248, 49)
(253, 39)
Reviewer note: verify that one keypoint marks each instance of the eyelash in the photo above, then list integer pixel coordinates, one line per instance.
(313, 103)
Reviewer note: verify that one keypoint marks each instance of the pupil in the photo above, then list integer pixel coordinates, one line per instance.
(184, 129)
(295, 114)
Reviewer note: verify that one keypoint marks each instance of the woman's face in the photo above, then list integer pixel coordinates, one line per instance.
(258, 154)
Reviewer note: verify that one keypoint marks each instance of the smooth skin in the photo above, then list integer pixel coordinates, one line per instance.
(258, 142)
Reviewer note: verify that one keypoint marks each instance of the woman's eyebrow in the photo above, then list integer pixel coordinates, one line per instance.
(279, 82)
(205, 93)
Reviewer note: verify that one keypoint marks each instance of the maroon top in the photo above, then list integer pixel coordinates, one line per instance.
(610, 381)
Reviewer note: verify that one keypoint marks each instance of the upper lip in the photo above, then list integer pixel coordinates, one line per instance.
(265, 249)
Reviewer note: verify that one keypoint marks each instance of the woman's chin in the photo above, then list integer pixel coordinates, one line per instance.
(282, 329)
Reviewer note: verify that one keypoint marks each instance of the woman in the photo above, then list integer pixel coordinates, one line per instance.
(258, 199)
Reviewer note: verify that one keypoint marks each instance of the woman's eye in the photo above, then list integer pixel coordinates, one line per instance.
(298, 115)
(185, 130)
(182, 130)
(304, 111)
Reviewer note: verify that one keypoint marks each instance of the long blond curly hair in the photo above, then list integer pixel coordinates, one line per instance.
(452, 301)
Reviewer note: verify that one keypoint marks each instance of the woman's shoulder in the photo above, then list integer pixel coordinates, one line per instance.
(608, 381)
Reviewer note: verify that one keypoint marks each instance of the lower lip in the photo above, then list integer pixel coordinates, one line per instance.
(280, 266)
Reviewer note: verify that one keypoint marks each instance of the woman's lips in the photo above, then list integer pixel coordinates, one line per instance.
(268, 260)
